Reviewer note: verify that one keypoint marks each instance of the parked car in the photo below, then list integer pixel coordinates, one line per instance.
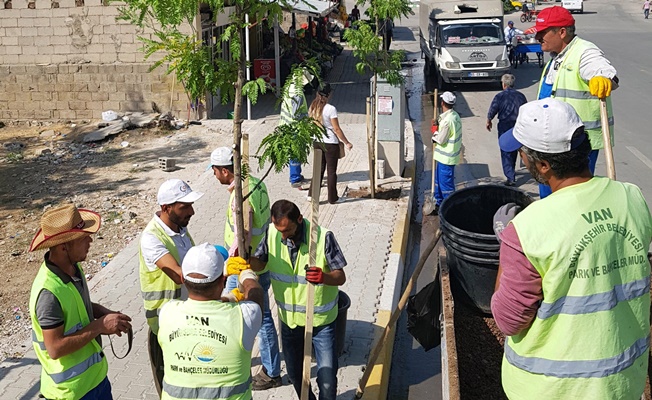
(517, 5)
(573, 5)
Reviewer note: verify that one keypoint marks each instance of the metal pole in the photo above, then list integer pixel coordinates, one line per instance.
(277, 59)
(248, 58)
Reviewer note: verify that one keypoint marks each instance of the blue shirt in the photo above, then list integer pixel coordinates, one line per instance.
(506, 105)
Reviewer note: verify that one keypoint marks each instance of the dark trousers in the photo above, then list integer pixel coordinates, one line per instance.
(508, 159)
(330, 157)
(156, 360)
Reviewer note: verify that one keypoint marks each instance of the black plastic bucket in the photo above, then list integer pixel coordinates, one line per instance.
(466, 218)
(343, 304)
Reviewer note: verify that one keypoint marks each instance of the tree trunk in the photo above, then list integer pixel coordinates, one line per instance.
(237, 146)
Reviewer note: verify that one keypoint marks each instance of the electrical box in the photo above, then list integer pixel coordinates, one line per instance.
(390, 122)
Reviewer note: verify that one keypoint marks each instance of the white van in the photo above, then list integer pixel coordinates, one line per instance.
(573, 5)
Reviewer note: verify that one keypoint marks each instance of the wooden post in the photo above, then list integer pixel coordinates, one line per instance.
(315, 190)
(371, 152)
(606, 140)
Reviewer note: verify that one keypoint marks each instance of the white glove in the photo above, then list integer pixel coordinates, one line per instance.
(246, 274)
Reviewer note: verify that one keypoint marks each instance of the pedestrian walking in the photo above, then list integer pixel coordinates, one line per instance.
(294, 107)
(355, 14)
(573, 267)
(259, 219)
(207, 342)
(646, 9)
(163, 245)
(66, 325)
(326, 115)
(506, 104)
(285, 251)
(578, 73)
(448, 145)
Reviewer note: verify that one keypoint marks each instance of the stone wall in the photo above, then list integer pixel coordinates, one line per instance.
(71, 59)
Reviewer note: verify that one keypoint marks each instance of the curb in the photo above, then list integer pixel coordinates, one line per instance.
(378, 382)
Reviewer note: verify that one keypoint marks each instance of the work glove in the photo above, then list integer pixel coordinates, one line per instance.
(237, 295)
(234, 296)
(600, 87)
(235, 265)
(315, 275)
(502, 217)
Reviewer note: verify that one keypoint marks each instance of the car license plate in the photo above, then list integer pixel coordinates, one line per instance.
(478, 74)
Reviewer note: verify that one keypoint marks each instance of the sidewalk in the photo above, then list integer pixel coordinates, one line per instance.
(364, 228)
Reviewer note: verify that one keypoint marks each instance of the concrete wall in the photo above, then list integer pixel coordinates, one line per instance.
(71, 59)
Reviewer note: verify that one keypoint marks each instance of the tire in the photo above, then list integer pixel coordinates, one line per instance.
(515, 64)
(517, 8)
(530, 18)
(540, 59)
(441, 84)
(523, 18)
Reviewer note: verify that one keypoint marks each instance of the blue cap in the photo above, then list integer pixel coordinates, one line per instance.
(510, 22)
(222, 250)
(507, 142)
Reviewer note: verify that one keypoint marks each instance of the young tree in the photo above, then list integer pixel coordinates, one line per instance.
(375, 57)
(175, 38)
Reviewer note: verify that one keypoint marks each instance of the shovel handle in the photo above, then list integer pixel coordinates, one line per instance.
(606, 139)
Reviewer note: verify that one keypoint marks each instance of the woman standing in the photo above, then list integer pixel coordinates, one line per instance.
(325, 113)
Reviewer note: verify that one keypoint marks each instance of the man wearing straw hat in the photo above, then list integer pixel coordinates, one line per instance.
(66, 324)
(163, 245)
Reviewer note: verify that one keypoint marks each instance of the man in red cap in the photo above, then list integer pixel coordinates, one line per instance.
(578, 73)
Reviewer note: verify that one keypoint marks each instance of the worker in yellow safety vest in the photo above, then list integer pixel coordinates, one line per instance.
(163, 245)
(207, 342)
(222, 164)
(66, 325)
(285, 252)
(573, 287)
(578, 73)
(447, 137)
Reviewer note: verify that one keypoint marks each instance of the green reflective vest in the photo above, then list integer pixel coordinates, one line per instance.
(259, 201)
(203, 352)
(449, 153)
(590, 338)
(294, 100)
(156, 287)
(73, 375)
(569, 87)
(289, 281)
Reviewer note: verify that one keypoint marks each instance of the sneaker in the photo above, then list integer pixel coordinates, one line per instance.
(297, 185)
(263, 382)
(510, 183)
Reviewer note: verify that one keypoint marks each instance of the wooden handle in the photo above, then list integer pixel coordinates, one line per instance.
(315, 190)
(395, 314)
(606, 140)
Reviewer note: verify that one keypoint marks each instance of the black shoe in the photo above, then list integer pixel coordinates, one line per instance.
(435, 211)
(263, 382)
(510, 183)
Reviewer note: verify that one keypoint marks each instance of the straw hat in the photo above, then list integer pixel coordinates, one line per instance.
(64, 224)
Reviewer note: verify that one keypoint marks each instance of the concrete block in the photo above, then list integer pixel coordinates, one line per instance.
(93, 86)
(94, 58)
(66, 96)
(41, 22)
(44, 12)
(44, 31)
(84, 114)
(26, 114)
(111, 105)
(99, 96)
(62, 49)
(82, 77)
(108, 58)
(117, 96)
(26, 41)
(77, 105)
(43, 114)
(128, 58)
(89, 69)
(110, 10)
(67, 114)
(41, 96)
(84, 96)
(8, 22)
(80, 87)
(27, 12)
(12, 87)
(4, 96)
(110, 29)
(10, 41)
(51, 70)
(59, 40)
(26, 59)
(60, 105)
(4, 71)
(48, 105)
(14, 32)
(25, 22)
(30, 50)
(67, 4)
(59, 58)
(95, 48)
(60, 13)
(124, 69)
(117, 78)
(132, 78)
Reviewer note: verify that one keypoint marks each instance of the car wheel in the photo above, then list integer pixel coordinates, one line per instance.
(517, 8)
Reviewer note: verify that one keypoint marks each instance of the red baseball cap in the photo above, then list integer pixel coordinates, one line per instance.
(554, 17)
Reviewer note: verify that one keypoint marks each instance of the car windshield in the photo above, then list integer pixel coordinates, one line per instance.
(469, 34)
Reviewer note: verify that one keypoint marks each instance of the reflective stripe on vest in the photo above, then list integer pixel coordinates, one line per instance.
(593, 321)
(156, 288)
(580, 368)
(569, 87)
(294, 99)
(75, 374)
(206, 392)
(289, 280)
(77, 369)
(449, 152)
(163, 294)
(302, 309)
(592, 303)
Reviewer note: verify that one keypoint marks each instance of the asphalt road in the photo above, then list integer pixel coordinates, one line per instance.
(618, 28)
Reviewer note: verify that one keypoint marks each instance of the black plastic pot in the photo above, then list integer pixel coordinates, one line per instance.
(343, 304)
(466, 218)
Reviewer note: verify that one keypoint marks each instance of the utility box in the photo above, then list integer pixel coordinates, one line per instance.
(390, 122)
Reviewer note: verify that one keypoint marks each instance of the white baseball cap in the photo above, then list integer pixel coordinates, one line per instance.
(545, 125)
(448, 97)
(203, 259)
(176, 190)
(222, 156)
